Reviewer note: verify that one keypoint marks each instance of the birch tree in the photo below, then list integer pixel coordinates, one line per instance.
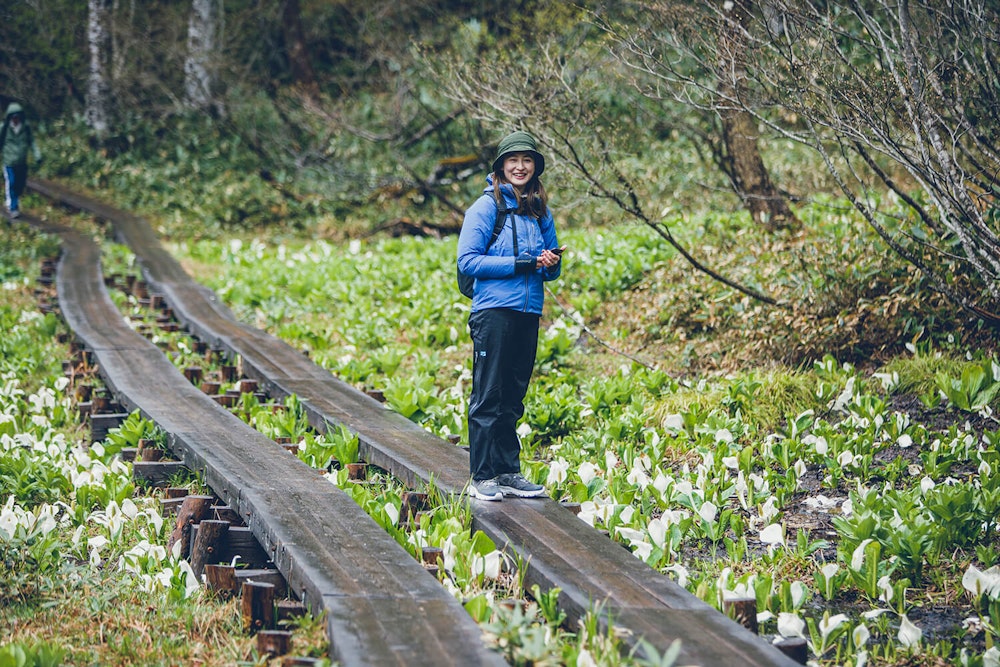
(204, 29)
(98, 82)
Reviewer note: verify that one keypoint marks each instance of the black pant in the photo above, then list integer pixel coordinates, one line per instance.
(504, 343)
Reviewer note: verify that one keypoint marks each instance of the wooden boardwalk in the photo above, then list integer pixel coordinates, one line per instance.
(558, 549)
(382, 606)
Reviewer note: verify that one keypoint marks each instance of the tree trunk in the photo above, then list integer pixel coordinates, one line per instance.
(295, 46)
(98, 84)
(203, 29)
(742, 161)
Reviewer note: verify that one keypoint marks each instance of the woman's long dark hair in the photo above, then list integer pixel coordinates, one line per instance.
(532, 201)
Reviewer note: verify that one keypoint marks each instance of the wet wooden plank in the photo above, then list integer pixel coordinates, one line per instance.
(324, 544)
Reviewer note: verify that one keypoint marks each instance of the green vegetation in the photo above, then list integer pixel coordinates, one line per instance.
(724, 448)
(832, 454)
(829, 489)
(80, 547)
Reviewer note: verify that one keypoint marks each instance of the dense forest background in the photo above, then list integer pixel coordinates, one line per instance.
(344, 118)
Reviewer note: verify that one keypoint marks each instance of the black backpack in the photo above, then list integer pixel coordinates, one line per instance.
(466, 283)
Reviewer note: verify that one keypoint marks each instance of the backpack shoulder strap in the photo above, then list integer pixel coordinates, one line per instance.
(502, 214)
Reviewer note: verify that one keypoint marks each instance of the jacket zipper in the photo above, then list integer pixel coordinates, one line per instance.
(527, 276)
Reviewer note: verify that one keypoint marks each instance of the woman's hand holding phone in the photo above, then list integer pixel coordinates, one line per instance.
(551, 256)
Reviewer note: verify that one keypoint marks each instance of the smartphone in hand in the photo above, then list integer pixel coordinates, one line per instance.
(557, 251)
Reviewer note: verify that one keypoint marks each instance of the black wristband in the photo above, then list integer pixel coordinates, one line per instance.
(524, 265)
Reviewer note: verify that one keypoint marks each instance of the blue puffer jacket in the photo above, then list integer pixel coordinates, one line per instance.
(496, 284)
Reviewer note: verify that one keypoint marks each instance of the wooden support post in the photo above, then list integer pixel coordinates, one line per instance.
(430, 555)
(193, 510)
(258, 606)
(573, 507)
(413, 502)
(102, 423)
(156, 473)
(208, 545)
(242, 543)
(221, 580)
(99, 404)
(227, 513)
(193, 374)
(795, 648)
(303, 661)
(286, 610)
(264, 576)
(357, 471)
(148, 451)
(273, 642)
(743, 610)
(170, 506)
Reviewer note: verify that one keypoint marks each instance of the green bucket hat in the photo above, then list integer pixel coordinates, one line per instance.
(519, 142)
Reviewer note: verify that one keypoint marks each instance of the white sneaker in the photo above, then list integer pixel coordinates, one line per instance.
(485, 489)
(15, 214)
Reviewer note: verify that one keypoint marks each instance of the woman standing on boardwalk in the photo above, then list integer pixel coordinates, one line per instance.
(508, 245)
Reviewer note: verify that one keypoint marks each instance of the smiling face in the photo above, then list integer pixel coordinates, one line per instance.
(518, 168)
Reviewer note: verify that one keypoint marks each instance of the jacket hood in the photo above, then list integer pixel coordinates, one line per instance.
(14, 108)
(506, 191)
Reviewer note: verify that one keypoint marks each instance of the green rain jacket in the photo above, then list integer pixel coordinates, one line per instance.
(16, 144)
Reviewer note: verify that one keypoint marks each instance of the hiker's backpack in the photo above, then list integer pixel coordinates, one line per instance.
(466, 283)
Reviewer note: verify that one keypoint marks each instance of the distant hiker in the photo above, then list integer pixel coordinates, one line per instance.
(15, 140)
(508, 246)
